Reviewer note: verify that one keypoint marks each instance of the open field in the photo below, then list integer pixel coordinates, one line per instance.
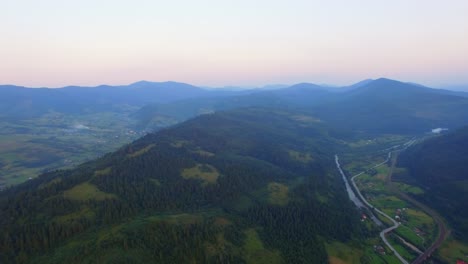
(410, 235)
(416, 227)
(409, 188)
(255, 251)
(340, 253)
(453, 250)
(204, 172)
(141, 151)
(278, 193)
(404, 251)
(300, 156)
(86, 191)
(57, 141)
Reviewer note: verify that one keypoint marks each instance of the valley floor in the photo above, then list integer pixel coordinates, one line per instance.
(420, 233)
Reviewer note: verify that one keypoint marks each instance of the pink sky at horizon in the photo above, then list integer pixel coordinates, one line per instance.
(54, 43)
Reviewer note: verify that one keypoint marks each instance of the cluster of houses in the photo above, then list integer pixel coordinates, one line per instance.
(399, 216)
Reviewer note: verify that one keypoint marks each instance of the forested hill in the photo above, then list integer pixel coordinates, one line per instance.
(372, 107)
(18, 102)
(389, 106)
(440, 164)
(228, 187)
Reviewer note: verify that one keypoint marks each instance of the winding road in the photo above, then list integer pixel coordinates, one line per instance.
(443, 230)
(386, 230)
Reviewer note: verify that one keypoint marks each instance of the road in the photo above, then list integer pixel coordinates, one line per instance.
(383, 232)
(443, 230)
(406, 243)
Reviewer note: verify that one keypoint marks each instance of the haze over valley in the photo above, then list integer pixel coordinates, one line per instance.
(250, 132)
(236, 157)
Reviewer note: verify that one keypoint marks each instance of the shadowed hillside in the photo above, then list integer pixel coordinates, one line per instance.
(440, 165)
(226, 187)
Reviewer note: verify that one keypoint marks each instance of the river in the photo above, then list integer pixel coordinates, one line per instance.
(351, 194)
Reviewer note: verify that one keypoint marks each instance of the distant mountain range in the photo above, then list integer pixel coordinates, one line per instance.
(21, 102)
(228, 177)
(371, 106)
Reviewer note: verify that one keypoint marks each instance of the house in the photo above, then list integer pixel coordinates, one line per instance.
(379, 249)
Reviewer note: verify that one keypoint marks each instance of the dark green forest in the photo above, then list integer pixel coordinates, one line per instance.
(220, 188)
(440, 166)
(249, 184)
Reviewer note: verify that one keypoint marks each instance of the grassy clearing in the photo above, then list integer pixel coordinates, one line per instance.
(184, 219)
(305, 119)
(381, 141)
(205, 172)
(389, 202)
(374, 258)
(406, 253)
(418, 218)
(203, 153)
(453, 250)
(409, 235)
(409, 188)
(278, 193)
(354, 165)
(371, 184)
(85, 212)
(86, 191)
(179, 143)
(255, 252)
(321, 198)
(300, 156)
(50, 183)
(110, 233)
(141, 151)
(361, 143)
(30, 147)
(155, 182)
(339, 253)
(103, 172)
(374, 186)
(390, 258)
(370, 254)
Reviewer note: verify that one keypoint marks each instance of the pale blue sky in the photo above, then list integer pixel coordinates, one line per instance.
(59, 42)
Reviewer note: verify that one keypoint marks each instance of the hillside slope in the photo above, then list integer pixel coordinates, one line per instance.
(300, 96)
(440, 165)
(232, 187)
(388, 106)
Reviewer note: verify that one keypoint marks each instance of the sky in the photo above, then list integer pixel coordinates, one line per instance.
(55, 43)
